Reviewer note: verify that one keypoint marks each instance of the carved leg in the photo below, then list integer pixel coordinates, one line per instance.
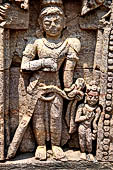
(89, 144)
(56, 126)
(39, 130)
(82, 139)
(73, 126)
(89, 140)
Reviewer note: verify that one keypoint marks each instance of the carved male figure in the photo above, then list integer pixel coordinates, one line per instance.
(52, 50)
(87, 116)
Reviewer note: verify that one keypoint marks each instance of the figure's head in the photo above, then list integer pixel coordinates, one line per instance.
(92, 93)
(52, 20)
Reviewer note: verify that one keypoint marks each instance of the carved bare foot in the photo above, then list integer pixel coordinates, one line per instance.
(41, 153)
(83, 156)
(91, 157)
(58, 152)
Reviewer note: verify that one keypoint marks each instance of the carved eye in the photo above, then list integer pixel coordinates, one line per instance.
(90, 97)
(57, 22)
(47, 23)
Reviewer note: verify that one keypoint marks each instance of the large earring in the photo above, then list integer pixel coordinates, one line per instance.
(85, 98)
(64, 22)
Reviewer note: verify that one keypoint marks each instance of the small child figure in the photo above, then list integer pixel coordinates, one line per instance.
(87, 116)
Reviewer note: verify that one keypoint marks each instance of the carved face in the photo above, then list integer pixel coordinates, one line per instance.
(92, 99)
(53, 24)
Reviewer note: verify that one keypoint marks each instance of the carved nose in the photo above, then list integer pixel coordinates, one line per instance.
(53, 24)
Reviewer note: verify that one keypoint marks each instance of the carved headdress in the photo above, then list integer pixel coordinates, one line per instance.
(52, 2)
(51, 7)
(48, 3)
(93, 88)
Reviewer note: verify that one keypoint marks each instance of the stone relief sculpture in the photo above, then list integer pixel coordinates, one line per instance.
(47, 95)
(52, 50)
(87, 116)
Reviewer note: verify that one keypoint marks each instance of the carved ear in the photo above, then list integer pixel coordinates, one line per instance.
(39, 21)
(85, 97)
(65, 22)
(99, 1)
(39, 33)
(88, 88)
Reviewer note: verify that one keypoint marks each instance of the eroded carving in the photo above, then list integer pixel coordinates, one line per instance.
(3, 11)
(87, 116)
(43, 98)
(89, 5)
(44, 90)
(23, 3)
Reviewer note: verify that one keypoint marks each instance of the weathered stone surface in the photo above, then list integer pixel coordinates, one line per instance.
(28, 162)
(48, 65)
(45, 80)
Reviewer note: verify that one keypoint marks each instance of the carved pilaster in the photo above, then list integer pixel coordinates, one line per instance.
(105, 65)
(1, 93)
(7, 22)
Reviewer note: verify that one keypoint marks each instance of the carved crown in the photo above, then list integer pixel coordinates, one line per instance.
(93, 87)
(48, 2)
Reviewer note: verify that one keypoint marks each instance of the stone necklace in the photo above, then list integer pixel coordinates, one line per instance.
(53, 45)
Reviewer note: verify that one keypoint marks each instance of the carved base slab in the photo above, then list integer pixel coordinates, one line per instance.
(28, 162)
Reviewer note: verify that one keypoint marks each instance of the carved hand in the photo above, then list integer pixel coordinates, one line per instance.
(39, 64)
(77, 94)
(49, 63)
(80, 118)
(89, 115)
